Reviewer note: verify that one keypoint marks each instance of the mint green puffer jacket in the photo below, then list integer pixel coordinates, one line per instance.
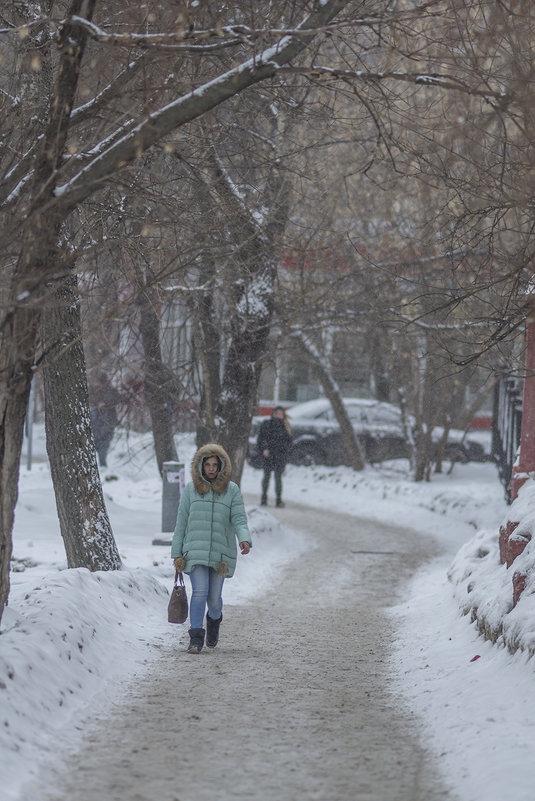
(211, 517)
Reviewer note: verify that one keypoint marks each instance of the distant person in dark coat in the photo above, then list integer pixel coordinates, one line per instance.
(273, 442)
(103, 400)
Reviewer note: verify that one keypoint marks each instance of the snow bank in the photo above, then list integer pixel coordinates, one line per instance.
(63, 644)
(483, 587)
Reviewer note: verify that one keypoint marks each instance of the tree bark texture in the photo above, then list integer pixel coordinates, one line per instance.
(158, 379)
(16, 370)
(84, 522)
(20, 328)
(208, 351)
(239, 394)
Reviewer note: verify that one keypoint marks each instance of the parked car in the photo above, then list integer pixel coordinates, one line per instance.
(378, 426)
(461, 448)
(317, 438)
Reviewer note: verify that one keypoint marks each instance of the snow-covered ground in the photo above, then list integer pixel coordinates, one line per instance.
(70, 637)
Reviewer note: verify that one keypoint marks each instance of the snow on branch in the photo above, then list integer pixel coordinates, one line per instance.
(228, 35)
(439, 80)
(306, 342)
(187, 289)
(89, 108)
(191, 106)
(231, 35)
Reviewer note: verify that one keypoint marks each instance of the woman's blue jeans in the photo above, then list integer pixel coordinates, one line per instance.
(206, 590)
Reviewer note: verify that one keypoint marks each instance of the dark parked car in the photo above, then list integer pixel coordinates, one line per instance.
(317, 437)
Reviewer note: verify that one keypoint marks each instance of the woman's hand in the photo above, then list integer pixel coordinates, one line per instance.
(245, 547)
(266, 453)
(180, 563)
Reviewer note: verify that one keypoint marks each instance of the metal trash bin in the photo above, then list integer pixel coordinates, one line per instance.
(173, 486)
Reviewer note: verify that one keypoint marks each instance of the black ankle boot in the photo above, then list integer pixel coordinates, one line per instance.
(196, 641)
(212, 631)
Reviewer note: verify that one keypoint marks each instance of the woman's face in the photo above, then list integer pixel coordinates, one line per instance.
(211, 467)
(279, 413)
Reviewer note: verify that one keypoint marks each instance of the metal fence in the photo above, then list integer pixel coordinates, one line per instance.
(506, 425)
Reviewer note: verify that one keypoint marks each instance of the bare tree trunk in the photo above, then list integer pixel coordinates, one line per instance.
(15, 376)
(353, 450)
(84, 522)
(380, 373)
(414, 376)
(158, 379)
(423, 455)
(208, 351)
(439, 448)
(239, 394)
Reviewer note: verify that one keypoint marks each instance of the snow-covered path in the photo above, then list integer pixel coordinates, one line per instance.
(294, 702)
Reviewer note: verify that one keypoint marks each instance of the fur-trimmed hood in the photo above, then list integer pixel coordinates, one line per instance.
(219, 485)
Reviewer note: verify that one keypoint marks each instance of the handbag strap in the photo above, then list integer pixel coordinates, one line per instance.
(179, 576)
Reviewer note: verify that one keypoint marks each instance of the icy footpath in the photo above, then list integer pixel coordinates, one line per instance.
(295, 698)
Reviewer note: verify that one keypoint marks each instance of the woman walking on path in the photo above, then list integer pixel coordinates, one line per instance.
(273, 442)
(211, 519)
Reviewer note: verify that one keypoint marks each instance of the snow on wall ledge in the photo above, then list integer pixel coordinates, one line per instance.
(499, 593)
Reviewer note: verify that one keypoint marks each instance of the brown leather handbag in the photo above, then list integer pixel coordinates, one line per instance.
(177, 611)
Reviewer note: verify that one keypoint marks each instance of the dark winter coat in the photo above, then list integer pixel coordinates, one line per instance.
(211, 517)
(103, 414)
(274, 438)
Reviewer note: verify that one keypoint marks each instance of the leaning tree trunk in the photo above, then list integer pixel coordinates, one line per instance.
(84, 522)
(353, 450)
(156, 380)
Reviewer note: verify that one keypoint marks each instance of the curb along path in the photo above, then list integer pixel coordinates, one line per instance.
(293, 705)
